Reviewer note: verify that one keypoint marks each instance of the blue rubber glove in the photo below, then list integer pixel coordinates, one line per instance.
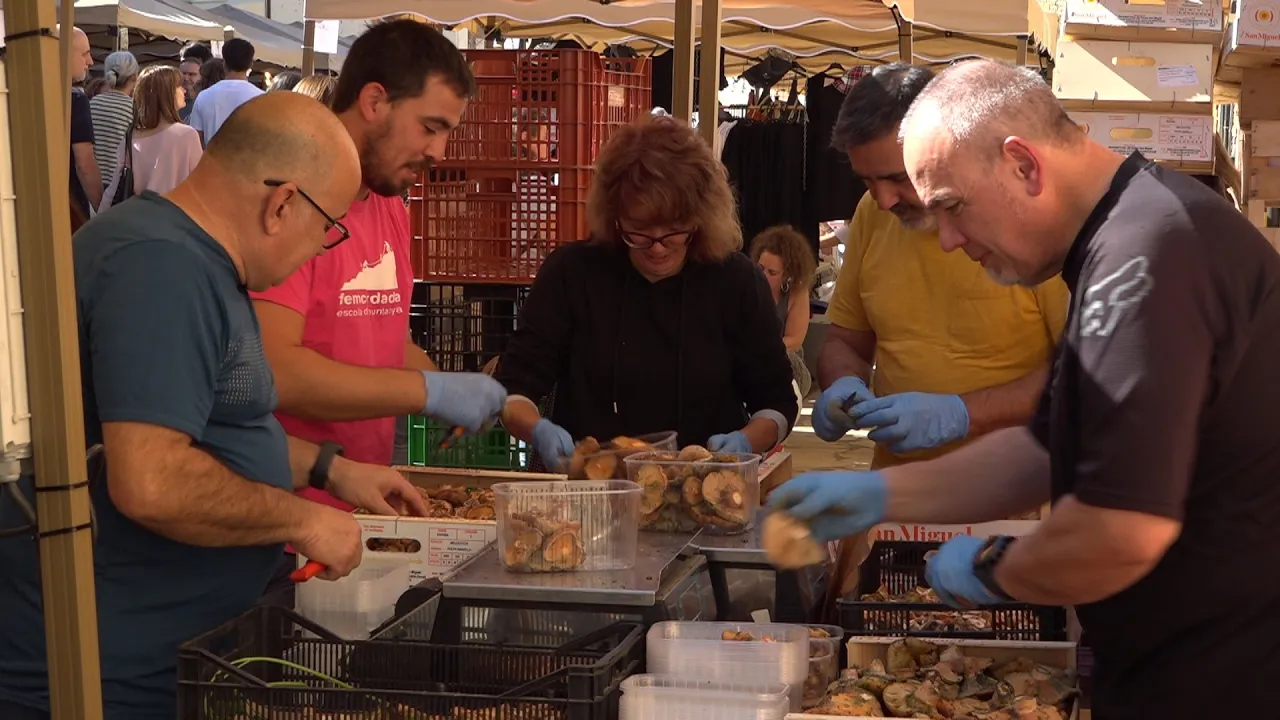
(834, 504)
(552, 443)
(466, 400)
(950, 573)
(830, 420)
(734, 442)
(912, 421)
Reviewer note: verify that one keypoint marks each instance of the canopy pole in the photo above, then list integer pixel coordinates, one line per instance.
(1020, 59)
(682, 82)
(122, 37)
(709, 72)
(309, 48)
(38, 107)
(906, 45)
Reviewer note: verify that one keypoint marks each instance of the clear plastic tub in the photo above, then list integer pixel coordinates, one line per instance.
(565, 526)
(762, 653)
(663, 697)
(609, 462)
(357, 604)
(824, 666)
(720, 496)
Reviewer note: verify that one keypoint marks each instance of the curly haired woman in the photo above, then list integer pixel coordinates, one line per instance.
(785, 258)
(657, 322)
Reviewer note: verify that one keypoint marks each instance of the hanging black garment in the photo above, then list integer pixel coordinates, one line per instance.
(834, 190)
(766, 164)
(664, 67)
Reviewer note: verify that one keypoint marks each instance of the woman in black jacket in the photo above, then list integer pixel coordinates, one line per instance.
(656, 322)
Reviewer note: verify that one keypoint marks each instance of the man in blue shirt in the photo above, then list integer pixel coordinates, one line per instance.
(196, 503)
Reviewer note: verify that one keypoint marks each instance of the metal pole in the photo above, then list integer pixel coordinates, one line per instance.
(709, 72)
(39, 122)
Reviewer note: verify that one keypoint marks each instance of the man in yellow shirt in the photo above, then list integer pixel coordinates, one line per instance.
(958, 351)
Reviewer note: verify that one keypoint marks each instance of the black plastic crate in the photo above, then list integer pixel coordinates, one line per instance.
(464, 327)
(899, 566)
(250, 669)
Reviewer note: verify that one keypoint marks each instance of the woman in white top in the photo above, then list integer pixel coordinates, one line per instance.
(112, 111)
(164, 150)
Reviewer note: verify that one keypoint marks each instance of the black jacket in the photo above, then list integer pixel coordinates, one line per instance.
(698, 353)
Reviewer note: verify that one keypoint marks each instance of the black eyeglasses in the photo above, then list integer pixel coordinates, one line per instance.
(641, 241)
(333, 224)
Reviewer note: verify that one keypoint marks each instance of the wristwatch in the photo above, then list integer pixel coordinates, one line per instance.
(324, 460)
(984, 564)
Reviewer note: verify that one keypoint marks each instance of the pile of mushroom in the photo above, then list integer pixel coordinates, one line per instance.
(693, 489)
(593, 461)
(532, 542)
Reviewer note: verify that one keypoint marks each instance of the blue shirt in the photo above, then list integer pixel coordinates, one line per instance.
(168, 337)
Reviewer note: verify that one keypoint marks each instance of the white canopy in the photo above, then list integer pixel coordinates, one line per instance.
(807, 29)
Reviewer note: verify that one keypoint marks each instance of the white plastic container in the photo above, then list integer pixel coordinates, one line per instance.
(663, 697)
(356, 605)
(565, 526)
(698, 650)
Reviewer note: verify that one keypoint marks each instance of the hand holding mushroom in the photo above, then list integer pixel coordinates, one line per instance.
(834, 504)
(551, 442)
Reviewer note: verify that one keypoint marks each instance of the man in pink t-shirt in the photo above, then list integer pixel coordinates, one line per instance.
(337, 332)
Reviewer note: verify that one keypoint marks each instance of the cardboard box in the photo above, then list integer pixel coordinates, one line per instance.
(1259, 99)
(1257, 25)
(1171, 21)
(1175, 139)
(1107, 75)
(862, 650)
(919, 532)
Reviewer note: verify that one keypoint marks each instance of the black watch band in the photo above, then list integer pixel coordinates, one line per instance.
(324, 460)
(984, 564)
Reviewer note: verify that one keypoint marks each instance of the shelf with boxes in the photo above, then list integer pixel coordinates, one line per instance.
(1141, 77)
(1258, 115)
(1252, 39)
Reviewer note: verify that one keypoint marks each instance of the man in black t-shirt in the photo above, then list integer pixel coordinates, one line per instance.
(1156, 438)
(86, 180)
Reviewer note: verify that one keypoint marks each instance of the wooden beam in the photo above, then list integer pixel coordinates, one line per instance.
(37, 103)
(906, 46)
(682, 81)
(308, 48)
(709, 72)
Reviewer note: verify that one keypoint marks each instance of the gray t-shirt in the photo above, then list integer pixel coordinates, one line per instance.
(1165, 401)
(168, 337)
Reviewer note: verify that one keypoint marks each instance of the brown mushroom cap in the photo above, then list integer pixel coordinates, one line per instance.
(788, 544)
(653, 487)
(694, 453)
(726, 493)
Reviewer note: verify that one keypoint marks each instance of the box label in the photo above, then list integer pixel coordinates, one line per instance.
(1177, 76)
(1258, 23)
(914, 532)
(1187, 138)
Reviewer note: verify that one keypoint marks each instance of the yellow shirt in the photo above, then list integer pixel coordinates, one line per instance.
(941, 324)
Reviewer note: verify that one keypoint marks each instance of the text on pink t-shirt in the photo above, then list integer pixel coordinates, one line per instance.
(355, 299)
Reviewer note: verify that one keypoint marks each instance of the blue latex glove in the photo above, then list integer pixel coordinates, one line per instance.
(912, 421)
(734, 442)
(834, 504)
(552, 443)
(950, 573)
(466, 400)
(830, 420)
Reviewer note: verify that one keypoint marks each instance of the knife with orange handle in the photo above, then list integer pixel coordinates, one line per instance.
(306, 572)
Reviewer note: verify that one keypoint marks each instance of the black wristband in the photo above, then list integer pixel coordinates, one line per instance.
(984, 564)
(324, 461)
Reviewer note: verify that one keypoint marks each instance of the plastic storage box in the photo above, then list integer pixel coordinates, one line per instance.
(663, 697)
(563, 526)
(718, 496)
(774, 653)
(824, 662)
(618, 468)
(357, 604)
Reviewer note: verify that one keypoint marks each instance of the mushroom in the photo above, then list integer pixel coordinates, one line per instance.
(694, 453)
(601, 466)
(653, 487)
(692, 491)
(788, 543)
(726, 493)
(564, 550)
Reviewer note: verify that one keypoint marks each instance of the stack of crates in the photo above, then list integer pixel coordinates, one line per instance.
(1141, 76)
(511, 188)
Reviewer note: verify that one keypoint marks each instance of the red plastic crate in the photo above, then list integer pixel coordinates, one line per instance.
(491, 225)
(513, 184)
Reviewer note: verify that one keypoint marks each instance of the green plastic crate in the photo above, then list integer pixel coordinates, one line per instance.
(494, 449)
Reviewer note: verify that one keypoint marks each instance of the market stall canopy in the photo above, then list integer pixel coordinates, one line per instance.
(273, 38)
(168, 18)
(866, 29)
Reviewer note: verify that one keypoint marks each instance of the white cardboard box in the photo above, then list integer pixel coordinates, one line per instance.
(1257, 24)
(1147, 76)
(1172, 21)
(1167, 137)
(441, 544)
(916, 532)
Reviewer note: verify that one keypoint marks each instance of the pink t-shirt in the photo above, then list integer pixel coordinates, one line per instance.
(355, 299)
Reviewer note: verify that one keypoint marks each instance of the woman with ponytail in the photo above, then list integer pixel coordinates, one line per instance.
(112, 111)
